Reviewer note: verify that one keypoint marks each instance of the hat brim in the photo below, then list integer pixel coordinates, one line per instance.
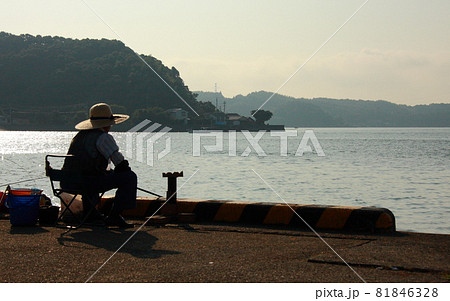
(101, 123)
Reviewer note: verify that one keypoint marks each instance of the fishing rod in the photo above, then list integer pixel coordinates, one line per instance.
(28, 180)
(18, 182)
(160, 196)
(22, 168)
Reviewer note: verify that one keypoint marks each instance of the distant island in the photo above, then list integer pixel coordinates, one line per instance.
(326, 112)
(49, 83)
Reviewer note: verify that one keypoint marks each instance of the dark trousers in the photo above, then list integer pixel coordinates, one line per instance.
(124, 182)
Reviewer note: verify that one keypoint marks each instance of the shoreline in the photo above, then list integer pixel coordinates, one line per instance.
(70, 129)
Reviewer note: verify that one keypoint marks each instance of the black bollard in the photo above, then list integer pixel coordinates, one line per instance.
(171, 194)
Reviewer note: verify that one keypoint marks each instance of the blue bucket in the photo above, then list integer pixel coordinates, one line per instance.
(23, 209)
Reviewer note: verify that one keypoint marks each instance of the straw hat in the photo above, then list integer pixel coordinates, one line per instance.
(100, 115)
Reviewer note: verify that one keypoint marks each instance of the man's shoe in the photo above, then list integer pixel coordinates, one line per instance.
(118, 221)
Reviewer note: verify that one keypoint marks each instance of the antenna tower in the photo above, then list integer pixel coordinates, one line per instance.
(217, 102)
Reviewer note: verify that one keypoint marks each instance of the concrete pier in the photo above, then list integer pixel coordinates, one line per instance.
(228, 242)
(218, 253)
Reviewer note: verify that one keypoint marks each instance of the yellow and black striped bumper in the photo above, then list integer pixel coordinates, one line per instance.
(343, 218)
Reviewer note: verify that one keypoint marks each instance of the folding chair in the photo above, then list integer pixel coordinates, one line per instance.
(76, 180)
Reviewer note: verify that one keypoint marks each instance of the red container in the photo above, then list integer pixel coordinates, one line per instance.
(25, 191)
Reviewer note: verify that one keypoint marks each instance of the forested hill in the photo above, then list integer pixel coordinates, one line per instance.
(324, 112)
(60, 74)
(50, 82)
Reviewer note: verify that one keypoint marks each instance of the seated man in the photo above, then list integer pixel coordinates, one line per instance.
(93, 149)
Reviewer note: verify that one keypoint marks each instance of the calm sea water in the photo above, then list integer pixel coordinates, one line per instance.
(404, 169)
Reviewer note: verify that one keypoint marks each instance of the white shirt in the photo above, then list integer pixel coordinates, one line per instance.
(108, 147)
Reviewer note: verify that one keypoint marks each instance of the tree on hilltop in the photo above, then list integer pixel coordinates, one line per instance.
(261, 116)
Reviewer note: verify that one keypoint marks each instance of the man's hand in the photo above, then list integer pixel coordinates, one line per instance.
(122, 167)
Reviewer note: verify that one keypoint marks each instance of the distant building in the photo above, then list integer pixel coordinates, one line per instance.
(236, 120)
(178, 114)
(218, 118)
(3, 120)
(221, 120)
(20, 117)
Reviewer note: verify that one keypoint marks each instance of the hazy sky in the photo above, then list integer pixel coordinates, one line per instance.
(396, 50)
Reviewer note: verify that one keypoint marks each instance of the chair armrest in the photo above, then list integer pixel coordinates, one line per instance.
(48, 168)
